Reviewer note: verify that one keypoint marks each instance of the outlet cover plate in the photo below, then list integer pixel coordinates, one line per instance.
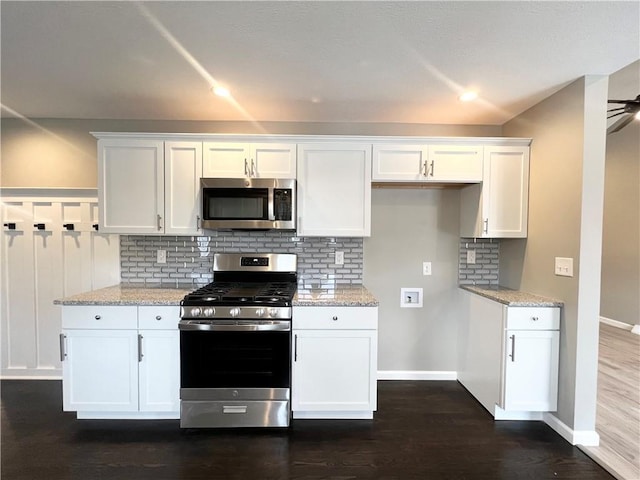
(564, 266)
(161, 256)
(426, 268)
(471, 257)
(339, 258)
(411, 298)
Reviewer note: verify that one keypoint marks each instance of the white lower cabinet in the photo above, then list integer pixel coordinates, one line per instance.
(509, 357)
(121, 361)
(334, 370)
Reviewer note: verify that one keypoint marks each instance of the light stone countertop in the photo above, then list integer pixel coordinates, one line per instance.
(338, 296)
(123, 294)
(128, 295)
(512, 298)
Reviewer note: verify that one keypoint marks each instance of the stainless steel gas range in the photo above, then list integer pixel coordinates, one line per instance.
(235, 344)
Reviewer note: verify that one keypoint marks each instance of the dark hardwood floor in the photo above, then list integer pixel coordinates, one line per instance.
(422, 430)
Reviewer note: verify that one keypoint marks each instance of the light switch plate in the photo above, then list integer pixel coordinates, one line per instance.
(564, 267)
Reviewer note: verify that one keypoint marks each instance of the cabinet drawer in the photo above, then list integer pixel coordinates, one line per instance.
(353, 318)
(100, 317)
(533, 318)
(158, 317)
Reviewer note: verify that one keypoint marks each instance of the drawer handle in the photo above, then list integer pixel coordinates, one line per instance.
(97, 317)
(158, 317)
(535, 319)
(234, 409)
(335, 318)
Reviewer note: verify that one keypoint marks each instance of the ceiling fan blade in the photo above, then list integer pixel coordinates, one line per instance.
(616, 114)
(614, 109)
(620, 124)
(619, 101)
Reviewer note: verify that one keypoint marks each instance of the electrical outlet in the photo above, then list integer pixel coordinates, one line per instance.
(161, 256)
(471, 257)
(426, 268)
(339, 258)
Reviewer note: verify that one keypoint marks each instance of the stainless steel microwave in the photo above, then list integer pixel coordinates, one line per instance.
(248, 203)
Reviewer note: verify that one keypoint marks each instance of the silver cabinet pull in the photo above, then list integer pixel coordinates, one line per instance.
(486, 225)
(63, 351)
(513, 348)
(423, 169)
(234, 409)
(97, 317)
(246, 168)
(253, 168)
(295, 348)
(433, 167)
(198, 222)
(159, 222)
(140, 348)
(158, 317)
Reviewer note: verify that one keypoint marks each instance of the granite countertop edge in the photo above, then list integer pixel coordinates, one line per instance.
(512, 298)
(132, 295)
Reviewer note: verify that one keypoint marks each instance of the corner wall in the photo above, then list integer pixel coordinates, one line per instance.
(620, 299)
(565, 220)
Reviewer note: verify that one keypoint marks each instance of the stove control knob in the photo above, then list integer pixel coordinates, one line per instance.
(209, 312)
(273, 312)
(260, 312)
(195, 312)
(234, 312)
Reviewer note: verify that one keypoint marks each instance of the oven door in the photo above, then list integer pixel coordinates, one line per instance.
(234, 373)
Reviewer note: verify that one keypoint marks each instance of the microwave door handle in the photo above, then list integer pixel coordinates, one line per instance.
(270, 201)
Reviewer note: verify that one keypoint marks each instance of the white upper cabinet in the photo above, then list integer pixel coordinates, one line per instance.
(499, 207)
(131, 185)
(257, 160)
(427, 163)
(149, 187)
(334, 190)
(182, 172)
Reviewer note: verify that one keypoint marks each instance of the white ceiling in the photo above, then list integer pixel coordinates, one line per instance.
(305, 61)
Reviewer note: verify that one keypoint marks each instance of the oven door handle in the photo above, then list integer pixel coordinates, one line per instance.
(198, 325)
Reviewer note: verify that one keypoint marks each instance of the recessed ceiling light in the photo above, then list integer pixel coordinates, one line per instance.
(468, 96)
(638, 115)
(221, 91)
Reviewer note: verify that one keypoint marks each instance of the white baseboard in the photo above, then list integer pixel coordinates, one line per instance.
(618, 324)
(417, 375)
(587, 438)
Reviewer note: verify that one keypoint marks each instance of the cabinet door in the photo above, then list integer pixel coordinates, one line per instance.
(130, 186)
(273, 160)
(159, 370)
(182, 173)
(226, 160)
(100, 370)
(334, 190)
(530, 370)
(399, 163)
(455, 163)
(334, 370)
(505, 197)
(498, 208)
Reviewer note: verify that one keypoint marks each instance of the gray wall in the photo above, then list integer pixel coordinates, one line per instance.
(565, 220)
(620, 299)
(407, 228)
(61, 153)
